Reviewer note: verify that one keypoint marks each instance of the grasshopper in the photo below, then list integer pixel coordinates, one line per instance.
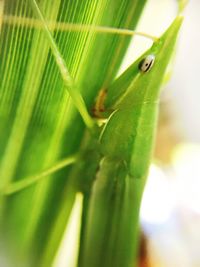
(126, 143)
(118, 154)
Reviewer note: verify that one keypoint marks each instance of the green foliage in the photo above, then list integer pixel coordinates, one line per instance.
(40, 124)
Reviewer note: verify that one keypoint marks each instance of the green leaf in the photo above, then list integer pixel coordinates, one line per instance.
(39, 124)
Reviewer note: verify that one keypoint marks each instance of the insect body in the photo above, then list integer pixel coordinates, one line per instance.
(111, 227)
(147, 63)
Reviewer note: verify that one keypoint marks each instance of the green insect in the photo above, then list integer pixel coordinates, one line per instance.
(126, 144)
(115, 157)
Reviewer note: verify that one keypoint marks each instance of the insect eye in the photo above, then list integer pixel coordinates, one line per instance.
(147, 63)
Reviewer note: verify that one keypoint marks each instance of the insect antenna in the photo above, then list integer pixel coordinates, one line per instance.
(74, 27)
(21, 184)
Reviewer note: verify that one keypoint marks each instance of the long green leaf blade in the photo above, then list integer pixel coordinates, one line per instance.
(39, 124)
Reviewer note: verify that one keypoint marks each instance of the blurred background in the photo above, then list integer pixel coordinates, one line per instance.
(170, 212)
